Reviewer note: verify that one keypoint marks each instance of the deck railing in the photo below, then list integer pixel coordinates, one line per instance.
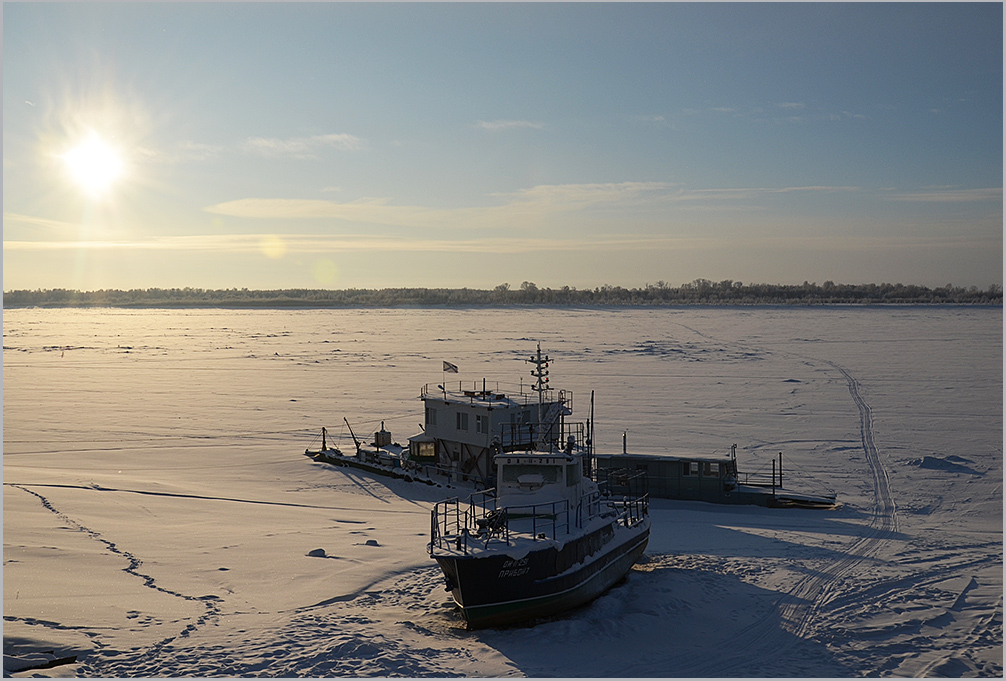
(521, 394)
(614, 481)
(517, 436)
(456, 524)
(634, 510)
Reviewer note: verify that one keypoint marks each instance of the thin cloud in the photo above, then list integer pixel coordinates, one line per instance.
(569, 196)
(495, 126)
(182, 152)
(526, 207)
(724, 197)
(197, 151)
(46, 228)
(301, 147)
(811, 188)
(368, 243)
(780, 112)
(374, 211)
(845, 116)
(313, 243)
(37, 222)
(943, 195)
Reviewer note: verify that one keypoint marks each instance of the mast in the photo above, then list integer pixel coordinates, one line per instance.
(540, 373)
(590, 440)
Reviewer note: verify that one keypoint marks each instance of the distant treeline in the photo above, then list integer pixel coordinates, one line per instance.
(698, 292)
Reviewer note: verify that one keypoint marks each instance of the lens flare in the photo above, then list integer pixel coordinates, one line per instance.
(324, 271)
(272, 246)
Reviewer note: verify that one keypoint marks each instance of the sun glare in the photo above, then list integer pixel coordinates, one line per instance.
(94, 164)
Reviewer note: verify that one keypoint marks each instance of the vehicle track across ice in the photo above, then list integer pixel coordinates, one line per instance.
(817, 589)
(798, 610)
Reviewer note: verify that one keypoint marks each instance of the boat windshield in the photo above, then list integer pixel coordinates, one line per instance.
(527, 475)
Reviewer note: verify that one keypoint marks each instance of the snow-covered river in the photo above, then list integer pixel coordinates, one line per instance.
(158, 510)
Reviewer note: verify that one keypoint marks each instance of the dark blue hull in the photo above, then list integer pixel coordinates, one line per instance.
(493, 589)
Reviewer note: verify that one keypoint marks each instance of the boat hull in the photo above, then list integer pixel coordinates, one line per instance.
(496, 589)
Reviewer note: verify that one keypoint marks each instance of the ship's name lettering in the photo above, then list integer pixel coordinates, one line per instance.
(516, 572)
(515, 563)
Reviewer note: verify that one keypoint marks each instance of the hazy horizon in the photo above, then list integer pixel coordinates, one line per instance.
(316, 145)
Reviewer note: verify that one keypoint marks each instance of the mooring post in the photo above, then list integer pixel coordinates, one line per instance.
(780, 469)
(773, 479)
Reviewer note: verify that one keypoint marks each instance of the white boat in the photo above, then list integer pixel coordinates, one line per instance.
(543, 541)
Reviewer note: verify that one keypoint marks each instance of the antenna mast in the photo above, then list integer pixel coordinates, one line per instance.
(540, 373)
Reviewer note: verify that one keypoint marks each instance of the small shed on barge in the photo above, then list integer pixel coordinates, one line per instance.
(712, 478)
(698, 478)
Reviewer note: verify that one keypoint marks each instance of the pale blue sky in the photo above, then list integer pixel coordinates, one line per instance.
(380, 145)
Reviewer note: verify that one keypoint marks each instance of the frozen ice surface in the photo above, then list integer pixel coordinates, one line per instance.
(160, 518)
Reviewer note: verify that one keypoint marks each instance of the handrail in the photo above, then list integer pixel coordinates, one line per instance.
(503, 390)
(485, 521)
(516, 436)
(634, 510)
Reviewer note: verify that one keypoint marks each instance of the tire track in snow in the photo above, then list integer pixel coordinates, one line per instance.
(817, 590)
(885, 589)
(885, 510)
(798, 610)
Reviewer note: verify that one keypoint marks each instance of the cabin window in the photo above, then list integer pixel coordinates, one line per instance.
(713, 469)
(514, 472)
(690, 467)
(482, 423)
(431, 416)
(424, 450)
(572, 474)
(462, 420)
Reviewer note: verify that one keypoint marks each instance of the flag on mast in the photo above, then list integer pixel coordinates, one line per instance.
(450, 368)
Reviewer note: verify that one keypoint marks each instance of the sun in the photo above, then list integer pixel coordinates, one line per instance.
(94, 165)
